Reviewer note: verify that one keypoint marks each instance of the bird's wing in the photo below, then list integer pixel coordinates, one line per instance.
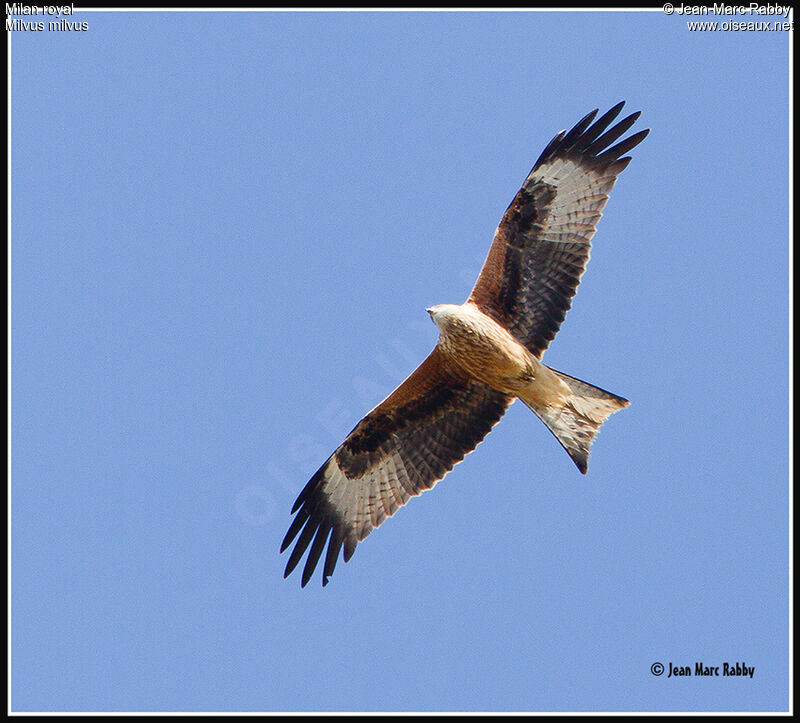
(542, 244)
(401, 448)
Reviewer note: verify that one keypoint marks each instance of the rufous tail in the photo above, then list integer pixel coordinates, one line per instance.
(576, 421)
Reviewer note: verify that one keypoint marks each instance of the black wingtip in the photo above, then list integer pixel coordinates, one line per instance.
(315, 519)
(615, 109)
(349, 548)
(317, 546)
(579, 128)
(294, 528)
(615, 152)
(591, 140)
(555, 141)
(311, 485)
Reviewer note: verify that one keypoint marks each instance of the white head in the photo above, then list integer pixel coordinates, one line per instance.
(441, 313)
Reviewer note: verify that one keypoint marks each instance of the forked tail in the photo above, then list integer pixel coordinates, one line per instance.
(577, 419)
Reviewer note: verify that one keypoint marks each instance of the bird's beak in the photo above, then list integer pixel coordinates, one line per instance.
(430, 311)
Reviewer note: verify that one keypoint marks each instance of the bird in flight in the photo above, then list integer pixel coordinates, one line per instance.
(488, 354)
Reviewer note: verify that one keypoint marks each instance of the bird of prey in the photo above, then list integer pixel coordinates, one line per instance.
(488, 354)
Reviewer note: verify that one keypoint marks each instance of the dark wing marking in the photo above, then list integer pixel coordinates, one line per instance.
(401, 448)
(542, 244)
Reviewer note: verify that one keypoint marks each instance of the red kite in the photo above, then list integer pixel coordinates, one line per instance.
(488, 354)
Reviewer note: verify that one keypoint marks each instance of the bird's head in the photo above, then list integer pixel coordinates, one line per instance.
(440, 313)
(433, 311)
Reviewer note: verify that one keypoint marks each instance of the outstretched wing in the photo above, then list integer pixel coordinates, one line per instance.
(401, 448)
(542, 244)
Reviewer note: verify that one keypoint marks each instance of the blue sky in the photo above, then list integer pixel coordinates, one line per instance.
(226, 230)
